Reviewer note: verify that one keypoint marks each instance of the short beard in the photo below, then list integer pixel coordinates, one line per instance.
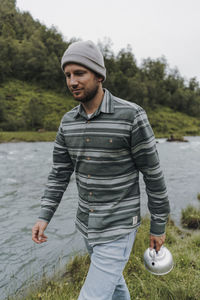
(89, 95)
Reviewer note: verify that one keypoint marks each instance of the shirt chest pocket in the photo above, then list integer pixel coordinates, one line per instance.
(110, 142)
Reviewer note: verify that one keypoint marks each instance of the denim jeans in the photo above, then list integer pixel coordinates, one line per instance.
(105, 280)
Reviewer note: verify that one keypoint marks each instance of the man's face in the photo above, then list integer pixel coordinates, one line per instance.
(82, 83)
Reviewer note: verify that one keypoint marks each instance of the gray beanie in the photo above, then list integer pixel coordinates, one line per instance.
(86, 54)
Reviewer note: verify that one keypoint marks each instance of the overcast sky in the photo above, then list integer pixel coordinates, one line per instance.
(153, 28)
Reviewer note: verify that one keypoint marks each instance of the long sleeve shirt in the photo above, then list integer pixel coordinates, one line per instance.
(107, 151)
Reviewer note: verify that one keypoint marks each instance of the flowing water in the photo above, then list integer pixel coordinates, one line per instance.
(23, 173)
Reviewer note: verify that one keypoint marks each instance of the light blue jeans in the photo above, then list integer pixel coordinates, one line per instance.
(105, 280)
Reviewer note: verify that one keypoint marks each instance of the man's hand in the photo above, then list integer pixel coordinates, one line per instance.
(156, 241)
(38, 232)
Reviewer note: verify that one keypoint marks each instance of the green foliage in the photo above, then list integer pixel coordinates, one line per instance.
(26, 106)
(191, 217)
(142, 285)
(29, 107)
(31, 52)
(34, 113)
(166, 122)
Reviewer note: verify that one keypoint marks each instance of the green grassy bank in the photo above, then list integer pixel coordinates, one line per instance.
(191, 217)
(182, 283)
(27, 136)
(166, 122)
(26, 108)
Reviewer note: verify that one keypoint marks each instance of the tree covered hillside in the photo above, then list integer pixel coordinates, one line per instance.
(31, 53)
(28, 50)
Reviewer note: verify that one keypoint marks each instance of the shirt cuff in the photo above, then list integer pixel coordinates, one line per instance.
(46, 214)
(157, 229)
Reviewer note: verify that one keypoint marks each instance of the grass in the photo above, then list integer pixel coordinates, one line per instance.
(182, 283)
(25, 106)
(28, 106)
(27, 136)
(191, 217)
(166, 122)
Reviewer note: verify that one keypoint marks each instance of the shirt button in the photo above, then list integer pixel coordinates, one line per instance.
(87, 140)
(90, 193)
(88, 158)
(91, 210)
(89, 176)
(110, 140)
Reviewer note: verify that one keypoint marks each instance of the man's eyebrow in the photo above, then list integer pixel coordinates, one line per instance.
(79, 70)
(75, 71)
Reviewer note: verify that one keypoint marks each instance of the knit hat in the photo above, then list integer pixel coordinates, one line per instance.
(86, 54)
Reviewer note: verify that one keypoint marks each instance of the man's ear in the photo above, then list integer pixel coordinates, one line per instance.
(100, 78)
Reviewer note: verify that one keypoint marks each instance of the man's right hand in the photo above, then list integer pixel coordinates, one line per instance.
(38, 232)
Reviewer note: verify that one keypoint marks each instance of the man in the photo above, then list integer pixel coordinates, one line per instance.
(106, 141)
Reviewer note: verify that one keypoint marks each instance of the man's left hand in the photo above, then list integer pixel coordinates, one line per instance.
(156, 241)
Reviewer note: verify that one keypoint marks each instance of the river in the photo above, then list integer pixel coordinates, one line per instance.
(23, 173)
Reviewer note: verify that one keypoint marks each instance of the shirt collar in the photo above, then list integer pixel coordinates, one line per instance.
(106, 106)
(107, 103)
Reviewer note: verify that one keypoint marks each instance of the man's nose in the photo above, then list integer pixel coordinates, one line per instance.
(73, 81)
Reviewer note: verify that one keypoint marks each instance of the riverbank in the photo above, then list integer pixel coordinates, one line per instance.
(29, 108)
(165, 123)
(183, 282)
(27, 136)
(41, 136)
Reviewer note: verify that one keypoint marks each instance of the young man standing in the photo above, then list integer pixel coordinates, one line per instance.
(106, 141)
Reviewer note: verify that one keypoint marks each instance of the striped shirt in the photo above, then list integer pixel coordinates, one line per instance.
(107, 151)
